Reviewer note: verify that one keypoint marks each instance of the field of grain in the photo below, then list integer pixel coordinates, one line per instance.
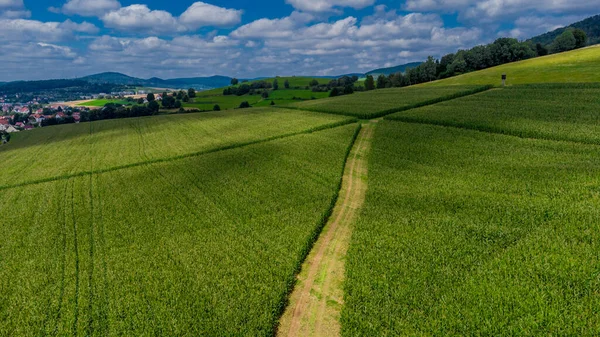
(66, 150)
(382, 102)
(207, 245)
(550, 111)
(471, 233)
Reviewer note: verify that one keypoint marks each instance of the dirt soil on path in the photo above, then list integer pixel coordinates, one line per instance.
(317, 300)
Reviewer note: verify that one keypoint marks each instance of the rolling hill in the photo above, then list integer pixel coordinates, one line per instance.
(577, 66)
(591, 26)
(393, 70)
(200, 83)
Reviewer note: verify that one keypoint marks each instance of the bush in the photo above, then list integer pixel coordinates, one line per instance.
(244, 105)
(216, 108)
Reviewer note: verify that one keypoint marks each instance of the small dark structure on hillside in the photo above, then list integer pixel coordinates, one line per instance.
(503, 80)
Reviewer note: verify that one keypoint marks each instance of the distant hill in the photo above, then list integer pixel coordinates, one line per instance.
(591, 26)
(200, 83)
(394, 70)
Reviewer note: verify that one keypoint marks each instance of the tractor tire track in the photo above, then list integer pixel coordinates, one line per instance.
(316, 302)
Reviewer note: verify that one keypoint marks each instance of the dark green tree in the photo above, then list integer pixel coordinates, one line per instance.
(234, 81)
(370, 83)
(244, 105)
(564, 42)
(313, 83)
(150, 97)
(334, 92)
(192, 93)
(272, 103)
(381, 82)
(216, 108)
(153, 107)
(275, 85)
(286, 84)
(541, 50)
(580, 38)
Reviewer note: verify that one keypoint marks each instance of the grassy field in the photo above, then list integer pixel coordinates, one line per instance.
(577, 66)
(103, 102)
(558, 112)
(468, 233)
(66, 150)
(199, 246)
(384, 101)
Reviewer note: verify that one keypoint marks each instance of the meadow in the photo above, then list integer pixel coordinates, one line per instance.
(130, 252)
(66, 150)
(382, 102)
(471, 233)
(98, 103)
(578, 66)
(568, 112)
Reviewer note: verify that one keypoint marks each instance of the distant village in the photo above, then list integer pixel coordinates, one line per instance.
(16, 117)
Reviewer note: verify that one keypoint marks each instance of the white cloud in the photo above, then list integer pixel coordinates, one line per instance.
(32, 30)
(89, 7)
(140, 18)
(15, 14)
(11, 4)
(328, 5)
(201, 14)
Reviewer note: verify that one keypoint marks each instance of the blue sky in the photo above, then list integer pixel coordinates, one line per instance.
(43, 39)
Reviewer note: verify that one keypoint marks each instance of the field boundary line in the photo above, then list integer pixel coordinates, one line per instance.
(383, 113)
(183, 156)
(315, 303)
(489, 130)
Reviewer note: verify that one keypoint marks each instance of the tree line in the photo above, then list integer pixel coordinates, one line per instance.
(501, 51)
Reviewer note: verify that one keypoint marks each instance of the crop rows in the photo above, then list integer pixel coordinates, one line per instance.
(468, 233)
(553, 111)
(207, 245)
(57, 152)
(383, 102)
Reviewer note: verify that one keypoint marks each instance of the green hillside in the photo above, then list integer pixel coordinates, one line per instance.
(591, 26)
(578, 66)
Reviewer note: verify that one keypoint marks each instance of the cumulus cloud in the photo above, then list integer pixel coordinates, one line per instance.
(89, 7)
(328, 5)
(15, 14)
(32, 30)
(201, 14)
(140, 18)
(11, 4)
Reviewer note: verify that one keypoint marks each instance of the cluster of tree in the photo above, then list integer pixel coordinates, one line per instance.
(344, 85)
(56, 89)
(114, 111)
(250, 88)
(570, 39)
(58, 121)
(501, 51)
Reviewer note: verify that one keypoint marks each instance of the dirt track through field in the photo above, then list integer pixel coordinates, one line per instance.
(317, 300)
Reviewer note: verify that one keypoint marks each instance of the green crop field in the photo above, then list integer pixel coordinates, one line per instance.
(103, 102)
(467, 233)
(67, 149)
(206, 245)
(381, 102)
(207, 103)
(553, 111)
(578, 66)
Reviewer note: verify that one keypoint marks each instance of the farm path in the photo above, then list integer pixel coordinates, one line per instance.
(316, 302)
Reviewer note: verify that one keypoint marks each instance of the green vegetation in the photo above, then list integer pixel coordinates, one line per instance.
(579, 66)
(130, 252)
(67, 150)
(379, 103)
(470, 233)
(552, 111)
(103, 102)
